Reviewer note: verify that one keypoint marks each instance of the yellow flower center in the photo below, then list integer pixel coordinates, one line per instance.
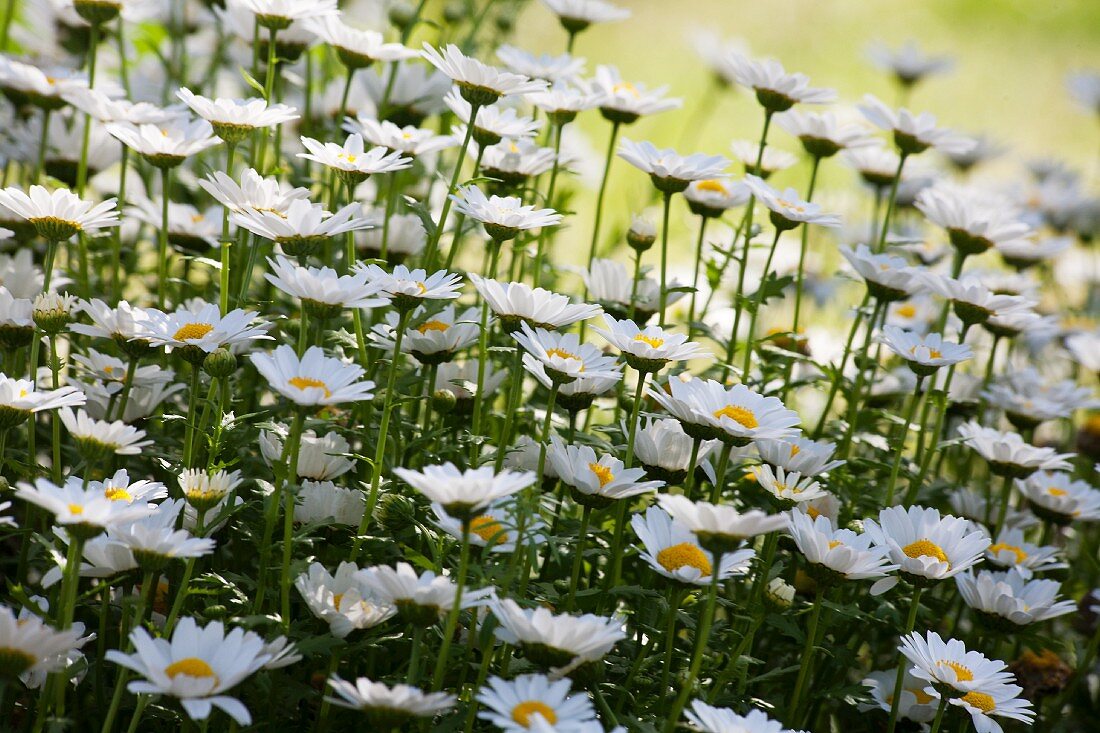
(738, 414)
(190, 666)
(433, 326)
(962, 673)
(563, 354)
(625, 86)
(683, 555)
(791, 205)
(835, 543)
(522, 713)
(651, 340)
(603, 473)
(923, 698)
(421, 288)
(795, 450)
(304, 383)
(196, 218)
(487, 528)
(1002, 547)
(349, 157)
(980, 700)
(925, 548)
(711, 184)
(1055, 491)
(932, 353)
(192, 331)
(118, 494)
(76, 509)
(23, 393)
(906, 310)
(813, 513)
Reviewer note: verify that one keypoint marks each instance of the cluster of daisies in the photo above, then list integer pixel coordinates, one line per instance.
(305, 422)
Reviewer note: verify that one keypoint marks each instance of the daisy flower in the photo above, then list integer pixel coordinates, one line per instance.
(948, 667)
(494, 528)
(973, 301)
(823, 134)
(233, 120)
(924, 354)
(410, 288)
(154, 541)
(975, 222)
(798, 455)
(104, 108)
(610, 283)
(406, 237)
(719, 526)
(652, 348)
(460, 379)
(516, 303)
(596, 481)
(314, 379)
(59, 215)
(1025, 253)
(204, 490)
(888, 277)
(576, 15)
(302, 227)
(515, 161)
(351, 161)
(925, 545)
(710, 719)
(1012, 550)
(772, 160)
(196, 666)
(409, 140)
(84, 512)
(200, 329)
(479, 83)
(563, 68)
(279, 14)
(253, 193)
(562, 102)
(20, 398)
(45, 88)
(776, 90)
(665, 450)
(562, 357)
(1000, 699)
(673, 551)
(503, 217)
(1057, 497)
(1084, 348)
(669, 171)
(464, 493)
(1008, 454)
(29, 645)
(556, 640)
(836, 554)
(534, 702)
(912, 133)
(876, 165)
(735, 415)
(100, 437)
(1008, 596)
(320, 457)
(624, 102)
(388, 707)
(493, 122)
(344, 601)
(915, 704)
(323, 502)
(712, 197)
(431, 337)
(787, 209)
(908, 63)
(357, 49)
(168, 144)
(321, 290)
(419, 599)
(788, 488)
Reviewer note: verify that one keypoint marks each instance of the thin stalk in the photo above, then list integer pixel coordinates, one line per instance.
(702, 631)
(807, 658)
(910, 622)
(452, 616)
(664, 257)
(433, 243)
(758, 303)
(272, 513)
(695, 276)
(162, 239)
(602, 192)
(578, 557)
(900, 448)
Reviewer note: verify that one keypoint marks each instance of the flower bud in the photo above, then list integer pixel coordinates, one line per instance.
(53, 311)
(641, 235)
(220, 363)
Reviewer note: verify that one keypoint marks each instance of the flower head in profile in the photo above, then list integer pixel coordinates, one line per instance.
(503, 217)
(669, 171)
(234, 119)
(711, 719)
(789, 489)
(384, 706)
(1009, 454)
(351, 161)
(908, 63)
(29, 645)
(464, 493)
(410, 141)
(515, 303)
(168, 144)
(577, 15)
(999, 596)
(323, 291)
(596, 481)
(279, 14)
(205, 490)
(1058, 497)
(313, 379)
(420, 599)
(197, 666)
(662, 446)
(344, 600)
(711, 197)
(673, 550)
(912, 133)
(303, 227)
(776, 89)
(410, 288)
(20, 398)
(357, 49)
(801, 455)
(479, 83)
(253, 193)
(652, 348)
(554, 69)
(888, 277)
(787, 208)
(924, 354)
(82, 511)
(562, 358)
(624, 102)
(836, 554)
(736, 414)
(824, 134)
(553, 640)
(60, 214)
(719, 526)
(101, 438)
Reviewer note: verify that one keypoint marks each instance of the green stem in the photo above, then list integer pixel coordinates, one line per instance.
(799, 277)
(602, 191)
(702, 632)
(807, 659)
(227, 242)
(758, 303)
(910, 622)
(940, 710)
(162, 239)
(900, 448)
(578, 557)
(664, 257)
(694, 277)
(433, 242)
(452, 616)
(291, 447)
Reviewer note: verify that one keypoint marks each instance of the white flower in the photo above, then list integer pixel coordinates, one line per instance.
(949, 665)
(556, 640)
(661, 445)
(710, 719)
(823, 134)
(321, 285)
(494, 528)
(30, 646)
(204, 491)
(197, 665)
(323, 502)
(154, 540)
(277, 13)
(352, 159)
(776, 90)
(234, 119)
(494, 122)
(344, 601)
(788, 206)
(320, 458)
(908, 63)
(534, 702)
(513, 302)
(431, 337)
(412, 286)
(20, 398)
(887, 276)
(597, 481)
(1023, 253)
(1007, 453)
(673, 550)
(576, 15)
(503, 216)
(1012, 597)
(357, 48)
(610, 283)
(974, 300)
(514, 161)
(975, 221)
(926, 545)
(625, 101)
(202, 328)
(462, 493)
(408, 140)
(60, 214)
(544, 66)
(562, 357)
(390, 704)
(924, 354)
(800, 455)
(787, 487)
(102, 436)
(1084, 348)
(710, 197)
(480, 83)
(254, 192)
(772, 161)
(736, 414)
(302, 227)
(915, 704)
(315, 379)
(81, 509)
(913, 133)
(564, 100)
(719, 521)
(841, 551)
(1012, 550)
(460, 379)
(168, 143)
(104, 108)
(652, 345)
(667, 168)
(401, 587)
(1058, 497)
(1001, 699)
(876, 165)
(406, 236)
